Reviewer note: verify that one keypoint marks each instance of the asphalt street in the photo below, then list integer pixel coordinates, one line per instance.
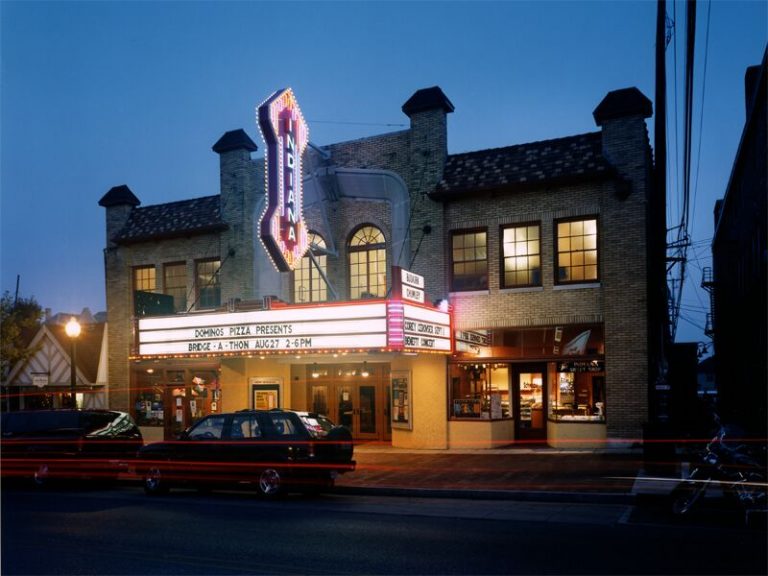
(66, 530)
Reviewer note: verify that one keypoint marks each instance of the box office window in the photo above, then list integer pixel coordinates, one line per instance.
(469, 260)
(521, 256)
(576, 251)
(208, 283)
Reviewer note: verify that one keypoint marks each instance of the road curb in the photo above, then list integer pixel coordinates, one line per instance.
(519, 495)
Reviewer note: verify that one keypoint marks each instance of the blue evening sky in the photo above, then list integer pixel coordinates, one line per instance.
(98, 94)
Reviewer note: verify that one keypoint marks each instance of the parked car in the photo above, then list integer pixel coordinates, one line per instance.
(272, 450)
(57, 444)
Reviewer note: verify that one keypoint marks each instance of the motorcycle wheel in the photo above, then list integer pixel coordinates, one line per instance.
(685, 495)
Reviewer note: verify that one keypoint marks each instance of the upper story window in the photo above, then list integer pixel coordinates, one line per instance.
(469, 260)
(308, 283)
(521, 256)
(175, 284)
(577, 251)
(208, 283)
(367, 263)
(144, 279)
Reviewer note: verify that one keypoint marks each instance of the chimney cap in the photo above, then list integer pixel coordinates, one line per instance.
(622, 103)
(119, 196)
(234, 140)
(427, 99)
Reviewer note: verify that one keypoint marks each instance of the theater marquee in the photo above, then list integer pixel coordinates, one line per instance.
(381, 325)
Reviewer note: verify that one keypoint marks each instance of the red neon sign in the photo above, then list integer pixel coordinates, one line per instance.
(286, 135)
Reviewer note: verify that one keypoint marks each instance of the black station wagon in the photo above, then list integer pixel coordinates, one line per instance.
(272, 450)
(63, 444)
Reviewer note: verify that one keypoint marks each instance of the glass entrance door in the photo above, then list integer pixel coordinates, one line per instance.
(530, 423)
(356, 406)
(352, 396)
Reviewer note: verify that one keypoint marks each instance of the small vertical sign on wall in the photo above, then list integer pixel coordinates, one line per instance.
(400, 408)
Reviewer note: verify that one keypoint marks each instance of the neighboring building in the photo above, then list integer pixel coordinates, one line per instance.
(739, 256)
(539, 249)
(44, 379)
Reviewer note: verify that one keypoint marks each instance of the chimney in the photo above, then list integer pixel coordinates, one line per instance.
(428, 109)
(234, 149)
(119, 202)
(621, 115)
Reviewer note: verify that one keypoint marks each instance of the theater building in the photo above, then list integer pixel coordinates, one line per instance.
(424, 299)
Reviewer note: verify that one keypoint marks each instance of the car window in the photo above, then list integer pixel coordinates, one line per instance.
(245, 426)
(283, 424)
(318, 425)
(209, 429)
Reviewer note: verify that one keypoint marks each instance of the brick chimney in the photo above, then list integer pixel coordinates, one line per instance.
(119, 202)
(428, 109)
(621, 115)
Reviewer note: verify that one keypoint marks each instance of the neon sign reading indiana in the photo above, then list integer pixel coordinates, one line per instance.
(286, 135)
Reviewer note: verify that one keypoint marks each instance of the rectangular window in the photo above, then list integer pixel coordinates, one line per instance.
(175, 283)
(479, 391)
(469, 260)
(521, 256)
(208, 283)
(144, 279)
(577, 391)
(576, 251)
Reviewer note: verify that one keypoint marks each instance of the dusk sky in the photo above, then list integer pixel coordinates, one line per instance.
(99, 94)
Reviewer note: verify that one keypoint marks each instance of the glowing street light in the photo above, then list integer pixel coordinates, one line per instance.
(73, 331)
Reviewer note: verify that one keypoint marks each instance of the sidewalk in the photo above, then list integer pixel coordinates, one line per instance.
(545, 474)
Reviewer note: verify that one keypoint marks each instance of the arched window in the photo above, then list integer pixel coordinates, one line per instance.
(308, 283)
(367, 263)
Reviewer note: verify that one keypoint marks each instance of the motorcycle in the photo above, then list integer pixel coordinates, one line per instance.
(734, 464)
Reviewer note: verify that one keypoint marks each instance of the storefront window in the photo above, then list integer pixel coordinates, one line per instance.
(577, 391)
(480, 391)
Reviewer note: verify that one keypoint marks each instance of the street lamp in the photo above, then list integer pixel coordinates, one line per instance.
(73, 331)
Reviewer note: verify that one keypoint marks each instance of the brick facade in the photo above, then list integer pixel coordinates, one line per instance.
(418, 156)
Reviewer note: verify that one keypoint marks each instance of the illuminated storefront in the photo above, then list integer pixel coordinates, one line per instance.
(336, 359)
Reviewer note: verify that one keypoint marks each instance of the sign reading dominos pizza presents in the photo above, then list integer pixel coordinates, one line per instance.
(286, 135)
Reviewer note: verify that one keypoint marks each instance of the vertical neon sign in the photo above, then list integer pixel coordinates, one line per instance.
(286, 135)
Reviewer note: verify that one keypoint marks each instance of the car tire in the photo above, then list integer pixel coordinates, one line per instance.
(339, 444)
(270, 483)
(154, 482)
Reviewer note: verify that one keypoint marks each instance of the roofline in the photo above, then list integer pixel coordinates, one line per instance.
(446, 195)
(170, 235)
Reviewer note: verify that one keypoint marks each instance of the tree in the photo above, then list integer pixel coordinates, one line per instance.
(18, 317)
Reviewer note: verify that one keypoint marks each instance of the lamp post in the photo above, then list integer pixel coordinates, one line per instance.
(73, 331)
